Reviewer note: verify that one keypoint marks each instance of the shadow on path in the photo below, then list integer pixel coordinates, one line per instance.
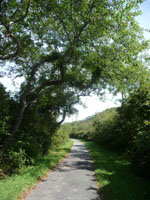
(72, 179)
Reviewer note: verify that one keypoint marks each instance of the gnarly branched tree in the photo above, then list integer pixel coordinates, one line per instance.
(82, 45)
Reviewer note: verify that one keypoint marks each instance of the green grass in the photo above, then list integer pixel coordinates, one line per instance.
(116, 179)
(13, 187)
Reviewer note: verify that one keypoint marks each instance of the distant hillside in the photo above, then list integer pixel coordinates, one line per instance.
(86, 128)
(125, 129)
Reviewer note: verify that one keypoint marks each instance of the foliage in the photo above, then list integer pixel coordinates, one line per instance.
(77, 46)
(81, 129)
(13, 187)
(134, 120)
(64, 50)
(37, 135)
(140, 153)
(99, 127)
(61, 136)
(14, 161)
(7, 112)
(104, 127)
(125, 129)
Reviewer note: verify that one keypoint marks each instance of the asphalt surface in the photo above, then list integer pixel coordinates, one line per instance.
(72, 179)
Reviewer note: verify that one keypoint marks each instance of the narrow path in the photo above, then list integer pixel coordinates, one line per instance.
(72, 179)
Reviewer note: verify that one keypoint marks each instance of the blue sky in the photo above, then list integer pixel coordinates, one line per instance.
(144, 19)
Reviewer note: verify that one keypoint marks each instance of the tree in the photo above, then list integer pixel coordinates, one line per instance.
(78, 45)
(7, 111)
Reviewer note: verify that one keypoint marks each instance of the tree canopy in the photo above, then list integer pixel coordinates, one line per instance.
(69, 48)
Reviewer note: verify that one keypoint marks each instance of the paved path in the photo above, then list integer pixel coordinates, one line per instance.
(72, 179)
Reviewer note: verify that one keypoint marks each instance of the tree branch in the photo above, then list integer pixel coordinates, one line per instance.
(49, 58)
(24, 16)
(63, 117)
(85, 22)
(69, 108)
(10, 35)
(64, 27)
(14, 39)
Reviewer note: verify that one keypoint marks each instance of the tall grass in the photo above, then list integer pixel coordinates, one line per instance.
(115, 176)
(13, 187)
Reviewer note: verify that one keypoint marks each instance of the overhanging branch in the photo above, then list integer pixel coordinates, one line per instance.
(25, 15)
(69, 107)
(9, 34)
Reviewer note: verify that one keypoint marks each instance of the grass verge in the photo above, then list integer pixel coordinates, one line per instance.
(115, 176)
(13, 187)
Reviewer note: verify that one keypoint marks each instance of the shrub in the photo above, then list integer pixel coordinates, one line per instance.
(61, 136)
(140, 153)
(14, 161)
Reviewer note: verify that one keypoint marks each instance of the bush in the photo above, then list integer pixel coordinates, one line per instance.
(7, 105)
(61, 136)
(126, 129)
(104, 127)
(36, 135)
(140, 153)
(14, 161)
(134, 123)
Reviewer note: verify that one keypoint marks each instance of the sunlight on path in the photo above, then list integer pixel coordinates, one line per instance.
(73, 179)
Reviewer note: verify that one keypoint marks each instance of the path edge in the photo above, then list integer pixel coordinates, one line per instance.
(44, 176)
